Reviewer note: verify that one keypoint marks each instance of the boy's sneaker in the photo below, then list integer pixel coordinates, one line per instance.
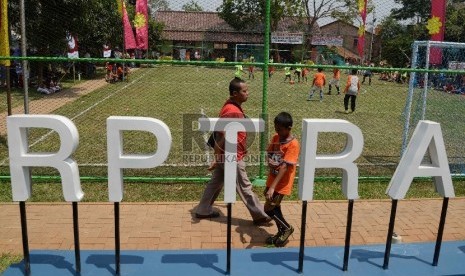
(346, 112)
(282, 239)
(272, 239)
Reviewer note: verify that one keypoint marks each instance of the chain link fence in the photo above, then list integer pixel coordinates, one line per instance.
(87, 61)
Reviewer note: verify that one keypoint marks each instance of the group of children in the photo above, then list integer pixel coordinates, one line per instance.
(48, 88)
(116, 72)
(351, 90)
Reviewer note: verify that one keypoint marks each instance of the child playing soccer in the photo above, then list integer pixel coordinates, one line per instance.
(319, 81)
(351, 91)
(287, 73)
(283, 152)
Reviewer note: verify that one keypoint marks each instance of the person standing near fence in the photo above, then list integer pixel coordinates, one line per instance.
(335, 80)
(238, 94)
(351, 90)
(282, 152)
(319, 81)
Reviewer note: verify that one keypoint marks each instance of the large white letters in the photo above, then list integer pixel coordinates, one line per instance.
(231, 127)
(427, 136)
(21, 160)
(117, 160)
(309, 160)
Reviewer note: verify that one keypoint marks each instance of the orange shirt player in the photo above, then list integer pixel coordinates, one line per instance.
(283, 152)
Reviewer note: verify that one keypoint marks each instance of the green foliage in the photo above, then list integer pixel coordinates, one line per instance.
(350, 14)
(454, 23)
(419, 10)
(7, 259)
(246, 14)
(192, 6)
(396, 42)
(93, 22)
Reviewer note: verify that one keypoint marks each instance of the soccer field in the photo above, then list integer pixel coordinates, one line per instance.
(179, 95)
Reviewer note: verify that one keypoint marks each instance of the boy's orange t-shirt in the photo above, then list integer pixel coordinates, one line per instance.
(319, 79)
(286, 154)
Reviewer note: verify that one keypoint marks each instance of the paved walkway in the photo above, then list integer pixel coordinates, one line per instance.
(172, 225)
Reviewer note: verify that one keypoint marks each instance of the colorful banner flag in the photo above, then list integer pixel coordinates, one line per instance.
(141, 24)
(4, 35)
(129, 41)
(72, 46)
(362, 8)
(436, 25)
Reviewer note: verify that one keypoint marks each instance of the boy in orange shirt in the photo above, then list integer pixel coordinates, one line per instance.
(319, 81)
(283, 152)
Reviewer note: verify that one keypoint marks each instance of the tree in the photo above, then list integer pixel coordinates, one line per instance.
(418, 10)
(157, 5)
(93, 22)
(455, 21)
(192, 6)
(319, 9)
(396, 41)
(247, 14)
(350, 13)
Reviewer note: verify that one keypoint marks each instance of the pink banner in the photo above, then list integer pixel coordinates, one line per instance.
(129, 41)
(141, 24)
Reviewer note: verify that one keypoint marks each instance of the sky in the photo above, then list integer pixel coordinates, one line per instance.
(382, 8)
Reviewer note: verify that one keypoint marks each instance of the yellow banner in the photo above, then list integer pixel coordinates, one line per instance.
(4, 37)
(120, 6)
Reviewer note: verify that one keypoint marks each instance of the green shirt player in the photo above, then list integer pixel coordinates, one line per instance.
(287, 73)
(239, 71)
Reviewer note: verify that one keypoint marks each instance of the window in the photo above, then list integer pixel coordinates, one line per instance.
(355, 42)
(220, 46)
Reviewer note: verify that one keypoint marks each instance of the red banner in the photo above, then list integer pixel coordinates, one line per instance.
(436, 26)
(141, 24)
(129, 41)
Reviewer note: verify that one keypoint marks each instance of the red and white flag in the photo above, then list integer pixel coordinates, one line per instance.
(72, 46)
(141, 21)
(129, 41)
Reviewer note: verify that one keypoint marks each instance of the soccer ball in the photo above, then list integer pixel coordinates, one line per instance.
(291, 82)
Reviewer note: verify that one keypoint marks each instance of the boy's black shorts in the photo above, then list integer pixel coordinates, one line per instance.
(274, 202)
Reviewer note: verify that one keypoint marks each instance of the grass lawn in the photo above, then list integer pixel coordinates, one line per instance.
(179, 95)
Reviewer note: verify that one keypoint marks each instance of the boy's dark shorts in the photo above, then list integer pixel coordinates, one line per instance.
(275, 202)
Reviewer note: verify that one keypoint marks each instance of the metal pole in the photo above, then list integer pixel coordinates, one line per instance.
(425, 82)
(263, 136)
(302, 237)
(392, 221)
(117, 240)
(442, 222)
(24, 54)
(77, 249)
(27, 261)
(8, 89)
(408, 106)
(348, 232)
(228, 241)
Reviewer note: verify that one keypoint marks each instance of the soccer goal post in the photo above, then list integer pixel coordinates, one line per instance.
(436, 92)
